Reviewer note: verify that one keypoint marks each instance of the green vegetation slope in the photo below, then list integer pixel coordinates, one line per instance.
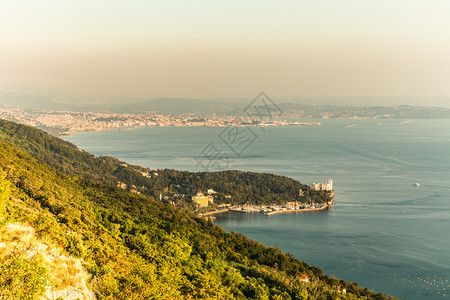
(137, 248)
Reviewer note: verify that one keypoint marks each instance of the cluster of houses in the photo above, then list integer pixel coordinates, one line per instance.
(200, 199)
(124, 186)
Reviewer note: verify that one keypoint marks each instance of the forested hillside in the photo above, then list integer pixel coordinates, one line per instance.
(134, 247)
(243, 187)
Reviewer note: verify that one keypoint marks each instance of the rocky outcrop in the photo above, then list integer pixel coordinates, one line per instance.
(66, 277)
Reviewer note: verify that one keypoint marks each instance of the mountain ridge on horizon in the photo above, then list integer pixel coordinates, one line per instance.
(45, 99)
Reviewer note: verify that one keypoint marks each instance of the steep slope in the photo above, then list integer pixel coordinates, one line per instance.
(138, 248)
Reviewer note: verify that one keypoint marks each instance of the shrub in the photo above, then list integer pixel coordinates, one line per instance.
(21, 277)
(74, 245)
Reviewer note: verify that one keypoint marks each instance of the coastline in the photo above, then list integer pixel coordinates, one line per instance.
(214, 212)
(298, 210)
(267, 210)
(69, 131)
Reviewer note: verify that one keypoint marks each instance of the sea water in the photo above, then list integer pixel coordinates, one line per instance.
(383, 232)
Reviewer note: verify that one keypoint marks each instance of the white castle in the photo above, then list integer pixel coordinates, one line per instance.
(323, 186)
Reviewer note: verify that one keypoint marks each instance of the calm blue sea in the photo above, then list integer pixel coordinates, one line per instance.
(383, 232)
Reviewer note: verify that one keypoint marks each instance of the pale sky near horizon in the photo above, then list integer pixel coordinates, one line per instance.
(203, 49)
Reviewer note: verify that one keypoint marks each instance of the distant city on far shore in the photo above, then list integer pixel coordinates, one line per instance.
(64, 122)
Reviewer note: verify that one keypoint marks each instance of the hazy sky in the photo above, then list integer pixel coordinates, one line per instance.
(228, 48)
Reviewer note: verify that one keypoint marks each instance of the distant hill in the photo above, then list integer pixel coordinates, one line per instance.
(317, 107)
(379, 112)
(116, 104)
(180, 106)
(132, 246)
(33, 102)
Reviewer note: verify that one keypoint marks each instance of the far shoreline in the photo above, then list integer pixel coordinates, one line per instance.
(68, 133)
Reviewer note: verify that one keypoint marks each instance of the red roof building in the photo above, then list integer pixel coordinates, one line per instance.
(304, 278)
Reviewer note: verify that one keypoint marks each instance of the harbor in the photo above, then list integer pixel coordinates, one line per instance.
(290, 207)
(281, 208)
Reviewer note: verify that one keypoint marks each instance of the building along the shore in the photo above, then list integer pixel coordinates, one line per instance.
(323, 186)
(201, 200)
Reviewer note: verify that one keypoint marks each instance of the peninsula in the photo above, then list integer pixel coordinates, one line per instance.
(207, 208)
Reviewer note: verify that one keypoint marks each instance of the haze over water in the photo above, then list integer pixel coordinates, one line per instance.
(382, 232)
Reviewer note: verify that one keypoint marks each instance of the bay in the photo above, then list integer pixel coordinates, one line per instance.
(383, 232)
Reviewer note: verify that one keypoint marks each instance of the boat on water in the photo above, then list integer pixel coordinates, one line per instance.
(416, 184)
